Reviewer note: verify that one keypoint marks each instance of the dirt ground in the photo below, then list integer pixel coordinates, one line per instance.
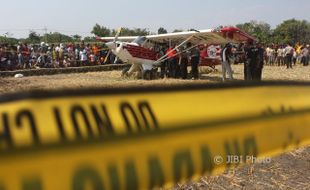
(113, 79)
(288, 171)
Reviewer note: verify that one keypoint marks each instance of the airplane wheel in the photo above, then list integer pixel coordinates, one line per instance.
(155, 74)
(147, 75)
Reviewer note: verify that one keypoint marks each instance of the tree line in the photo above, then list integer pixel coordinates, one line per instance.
(289, 31)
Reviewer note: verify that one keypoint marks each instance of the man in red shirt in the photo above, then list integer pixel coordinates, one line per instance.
(26, 56)
(172, 62)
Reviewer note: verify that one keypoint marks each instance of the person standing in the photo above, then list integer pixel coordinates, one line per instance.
(194, 55)
(294, 57)
(83, 56)
(280, 56)
(289, 51)
(269, 55)
(305, 56)
(259, 63)
(172, 62)
(226, 68)
(183, 62)
(163, 65)
(77, 55)
(251, 61)
(308, 54)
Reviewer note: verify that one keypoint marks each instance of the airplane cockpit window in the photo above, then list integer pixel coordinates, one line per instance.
(140, 40)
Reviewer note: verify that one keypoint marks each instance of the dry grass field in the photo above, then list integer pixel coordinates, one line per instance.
(112, 79)
(288, 171)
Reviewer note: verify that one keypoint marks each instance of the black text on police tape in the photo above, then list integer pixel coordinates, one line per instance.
(139, 117)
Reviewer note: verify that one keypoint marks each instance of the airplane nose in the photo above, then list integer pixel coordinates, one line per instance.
(111, 45)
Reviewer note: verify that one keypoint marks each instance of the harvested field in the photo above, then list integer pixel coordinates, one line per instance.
(112, 79)
(287, 171)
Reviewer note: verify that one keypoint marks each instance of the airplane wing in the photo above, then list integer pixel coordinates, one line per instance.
(197, 37)
(121, 38)
(203, 36)
(209, 36)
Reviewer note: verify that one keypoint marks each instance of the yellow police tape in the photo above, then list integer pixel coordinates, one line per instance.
(144, 139)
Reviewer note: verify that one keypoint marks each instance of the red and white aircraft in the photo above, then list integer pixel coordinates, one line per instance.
(139, 50)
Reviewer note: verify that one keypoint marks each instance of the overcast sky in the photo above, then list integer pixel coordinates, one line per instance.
(79, 16)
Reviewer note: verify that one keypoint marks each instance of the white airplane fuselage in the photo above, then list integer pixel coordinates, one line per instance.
(132, 53)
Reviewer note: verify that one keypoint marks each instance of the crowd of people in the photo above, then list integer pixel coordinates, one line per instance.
(178, 60)
(250, 54)
(254, 56)
(287, 55)
(24, 56)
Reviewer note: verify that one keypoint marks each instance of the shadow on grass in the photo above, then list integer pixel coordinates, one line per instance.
(217, 79)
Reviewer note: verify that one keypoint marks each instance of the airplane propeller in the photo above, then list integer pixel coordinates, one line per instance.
(112, 45)
(117, 34)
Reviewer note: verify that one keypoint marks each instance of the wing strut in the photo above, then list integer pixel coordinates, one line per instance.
(157, 63)
(166, 55)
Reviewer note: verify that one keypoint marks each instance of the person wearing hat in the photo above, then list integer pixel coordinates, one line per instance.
(225, 58)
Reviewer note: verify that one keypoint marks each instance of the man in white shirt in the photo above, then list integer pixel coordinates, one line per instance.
(225, 55)
(305, 56)
(83, 57)
(289, 51)
(269, 55)
(280, 57)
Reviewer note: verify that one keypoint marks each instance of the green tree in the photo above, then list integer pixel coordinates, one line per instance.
(33, 38)
(77, 37)
(90, 39)
(177, 30)
(260, 30)
(141, 32)
(132, 32)
(8, 40)
(162, 30)
(292, 31)
(101, 31)
(57, 37)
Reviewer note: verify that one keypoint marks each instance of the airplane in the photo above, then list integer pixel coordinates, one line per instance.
(142, 51)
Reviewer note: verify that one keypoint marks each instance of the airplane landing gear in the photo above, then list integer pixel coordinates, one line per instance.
(147, 75)
(140, 72)
(125, 72)
(150, 74)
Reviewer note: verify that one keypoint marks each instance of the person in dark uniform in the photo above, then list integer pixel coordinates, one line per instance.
(183, 62)
(163, 66)
(194, 55)
(259, 62)
(246, 63)
(172, 62)
(251, 52)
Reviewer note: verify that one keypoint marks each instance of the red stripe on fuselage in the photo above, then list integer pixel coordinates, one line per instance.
(141, 52)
